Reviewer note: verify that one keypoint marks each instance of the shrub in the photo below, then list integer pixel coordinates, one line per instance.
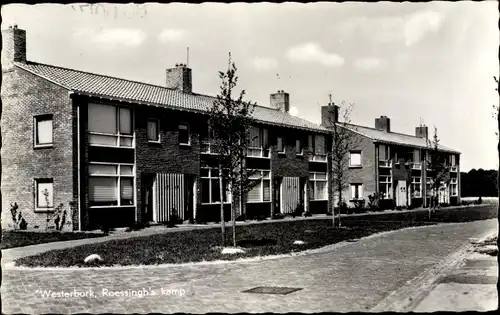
(173, 219)
(479, 201)
(307, 214)
(17, 217)
(59, 217)
(359, 204)
(374, 200)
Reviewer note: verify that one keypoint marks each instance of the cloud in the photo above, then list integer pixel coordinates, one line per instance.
(293, 111)
(312, 52)
(369, 63)
(264, 64)
(421, 23)
(114, 36)
(169, 35)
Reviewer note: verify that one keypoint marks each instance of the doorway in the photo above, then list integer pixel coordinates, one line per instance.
(401, 194)
(147, 200)
(277, 195)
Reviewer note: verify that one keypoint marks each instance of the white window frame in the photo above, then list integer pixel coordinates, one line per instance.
(388, 185)
(360, 158)
(262, 178)
(313, 179)
(43, 181)
(360, 192)
(454, 183)
(416, 181)
(36, 119)
(158, 133)
(188, 132)
(210, 179)
(117, 135)
(118, 175)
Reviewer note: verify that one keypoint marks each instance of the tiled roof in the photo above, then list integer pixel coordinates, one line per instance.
(395, 138)
(122, 89)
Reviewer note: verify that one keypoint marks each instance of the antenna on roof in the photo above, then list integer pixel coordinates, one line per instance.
(187, 56)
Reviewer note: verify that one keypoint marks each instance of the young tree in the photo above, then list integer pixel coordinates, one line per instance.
(230, 121)
(438, 170)
(344, 139)
(496, 114)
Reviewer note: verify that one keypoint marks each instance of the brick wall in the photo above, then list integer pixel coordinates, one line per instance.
(24, 96)
(168, 156)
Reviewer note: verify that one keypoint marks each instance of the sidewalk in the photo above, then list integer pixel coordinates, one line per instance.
(472, 286)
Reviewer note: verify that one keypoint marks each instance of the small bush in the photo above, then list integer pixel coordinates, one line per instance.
(307, 214)
(359, 205)
(374, 200)
(298, 210)
(479, 201)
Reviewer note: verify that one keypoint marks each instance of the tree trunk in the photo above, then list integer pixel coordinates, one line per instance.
(340, 202)
(222, 219)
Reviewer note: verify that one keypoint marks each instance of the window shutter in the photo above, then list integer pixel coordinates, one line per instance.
(102, 118)
(103, 189)
(255, 193)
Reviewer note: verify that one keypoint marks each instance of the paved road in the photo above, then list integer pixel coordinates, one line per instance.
(355, 277)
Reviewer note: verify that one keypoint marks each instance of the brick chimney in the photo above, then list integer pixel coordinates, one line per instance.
(422, 132)
(329, 114)
(179, 78)
(280, 101)
(383, 123)
(13, 46)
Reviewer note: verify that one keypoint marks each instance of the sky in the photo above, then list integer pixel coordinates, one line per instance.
(432, 61)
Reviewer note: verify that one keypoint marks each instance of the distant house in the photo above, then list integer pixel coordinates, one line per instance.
(124, 151)
(397, 166)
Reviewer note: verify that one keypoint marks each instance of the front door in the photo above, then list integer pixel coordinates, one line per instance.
(401, 194)
(277, 195)
(188, 197)
(147, 202)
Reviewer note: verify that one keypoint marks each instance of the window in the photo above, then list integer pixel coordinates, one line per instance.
(44, 193)
(258, 138)
(110, 125)
(355, 159)
(356, 191)
(452, 160)
(210, 187)
(43, 131)
(385, 186)
(318, 186)
(298, 147)
(261, 186)
(280, 145)
(317, 144)
(454, 187)
(184, 137)
(111, 184)
(153, 130)
(416, 185)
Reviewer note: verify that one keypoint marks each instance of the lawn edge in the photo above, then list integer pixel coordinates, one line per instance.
(327, 248)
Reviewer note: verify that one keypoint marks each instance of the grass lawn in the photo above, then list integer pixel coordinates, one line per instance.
(198, 245)
(12, 239)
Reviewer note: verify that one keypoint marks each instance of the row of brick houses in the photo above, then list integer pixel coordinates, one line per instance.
(129, 152)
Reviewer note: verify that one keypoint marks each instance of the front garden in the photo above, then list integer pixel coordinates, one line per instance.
(11, 239)
(270, 238)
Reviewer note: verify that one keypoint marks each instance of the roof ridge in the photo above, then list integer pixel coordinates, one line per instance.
(397, 133)
(93, 73)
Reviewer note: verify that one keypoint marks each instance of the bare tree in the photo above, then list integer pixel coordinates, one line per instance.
(230, 122)
(344, 139)
(496, 115)
(439, 170)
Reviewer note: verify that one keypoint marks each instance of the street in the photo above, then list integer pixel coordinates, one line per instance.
(353, 277)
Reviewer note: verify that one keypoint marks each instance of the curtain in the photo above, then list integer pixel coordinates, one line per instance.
(382, 156)
(153, 130)
(255, 141)
(319, 144)
(320, 191)
(44, 131)
(125, 121)
(254, 193)
(98, 169)
(45, 195)
(127, 191)
(267, 190)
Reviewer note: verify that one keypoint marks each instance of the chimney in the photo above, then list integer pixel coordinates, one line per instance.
(280, 101)
(422, 132)
(179, 78)
(383, 123)
(13, 46)
(329, 114)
